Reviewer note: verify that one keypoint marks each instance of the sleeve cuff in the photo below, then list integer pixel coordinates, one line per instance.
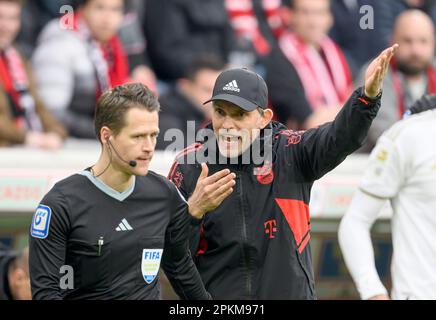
(370, 288)
(195, 221)
(368, 100)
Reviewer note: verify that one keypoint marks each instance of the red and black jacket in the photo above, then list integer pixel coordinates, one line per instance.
(256, 244)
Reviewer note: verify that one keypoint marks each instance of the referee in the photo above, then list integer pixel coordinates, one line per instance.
(104, 233)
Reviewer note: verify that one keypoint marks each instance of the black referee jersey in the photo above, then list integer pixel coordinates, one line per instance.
(111, 243)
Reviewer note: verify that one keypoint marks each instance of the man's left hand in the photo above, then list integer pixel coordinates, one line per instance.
(377, 70)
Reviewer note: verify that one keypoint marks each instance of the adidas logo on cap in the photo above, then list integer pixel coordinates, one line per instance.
(232, 86)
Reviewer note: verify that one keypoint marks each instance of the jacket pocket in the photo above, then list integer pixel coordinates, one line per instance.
(150, 252)
(91, 265)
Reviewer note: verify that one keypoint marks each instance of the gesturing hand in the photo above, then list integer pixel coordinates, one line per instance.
(211, 191)
(377, 70)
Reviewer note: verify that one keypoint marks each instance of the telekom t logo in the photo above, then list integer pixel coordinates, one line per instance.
(270, 228)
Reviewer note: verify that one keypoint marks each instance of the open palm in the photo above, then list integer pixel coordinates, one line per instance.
(377, 70)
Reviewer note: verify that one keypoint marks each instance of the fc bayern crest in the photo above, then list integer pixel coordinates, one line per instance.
(265, 174)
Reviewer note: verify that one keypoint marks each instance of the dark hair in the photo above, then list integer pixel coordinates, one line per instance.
(204, 62)
(425, 103)
(114, 104)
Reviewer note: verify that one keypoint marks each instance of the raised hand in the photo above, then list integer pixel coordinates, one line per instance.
(211, 191)
(377, 70)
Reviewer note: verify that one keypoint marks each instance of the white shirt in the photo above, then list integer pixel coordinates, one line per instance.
(402, 168)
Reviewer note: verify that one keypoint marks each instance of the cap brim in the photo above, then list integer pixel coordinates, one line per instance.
(240, 102)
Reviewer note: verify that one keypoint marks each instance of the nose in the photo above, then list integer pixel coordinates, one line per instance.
(149, 145)
(414, 46)
(228, 123)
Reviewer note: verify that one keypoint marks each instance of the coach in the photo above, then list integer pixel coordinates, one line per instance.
(251, 239)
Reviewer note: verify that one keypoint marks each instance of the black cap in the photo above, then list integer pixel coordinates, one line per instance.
(241, 87)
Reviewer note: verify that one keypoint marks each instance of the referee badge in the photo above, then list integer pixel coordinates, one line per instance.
(150, 264)
(41, 222)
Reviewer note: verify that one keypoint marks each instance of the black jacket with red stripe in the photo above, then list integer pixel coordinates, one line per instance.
(256, 244)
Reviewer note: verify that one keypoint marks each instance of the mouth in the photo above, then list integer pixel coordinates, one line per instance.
(230, 139)
(144, 160)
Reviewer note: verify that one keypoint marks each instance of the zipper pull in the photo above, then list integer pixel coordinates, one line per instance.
(100, 244)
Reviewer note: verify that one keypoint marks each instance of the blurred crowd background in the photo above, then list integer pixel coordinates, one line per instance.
(58, 56)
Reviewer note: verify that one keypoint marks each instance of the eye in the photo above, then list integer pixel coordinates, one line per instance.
(138, 136)
(220, 112)
(240, 115)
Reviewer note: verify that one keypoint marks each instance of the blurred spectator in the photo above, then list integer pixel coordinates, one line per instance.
(14, 275)
(177, 31)
(134, 42)
(131, 33)
(360, 45)
(411, 74)
(75, 64)
(185, 101)
(257, 24)
(23, 117)
(36, 14)
(389, 10)
(309, 79)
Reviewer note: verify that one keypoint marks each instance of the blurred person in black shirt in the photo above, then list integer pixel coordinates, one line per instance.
(177, 31)
(184, 102)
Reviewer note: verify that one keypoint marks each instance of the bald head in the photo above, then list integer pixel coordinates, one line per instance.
(413, 20)
(414, 32)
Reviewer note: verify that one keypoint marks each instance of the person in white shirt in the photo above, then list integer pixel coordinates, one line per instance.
(402, 169)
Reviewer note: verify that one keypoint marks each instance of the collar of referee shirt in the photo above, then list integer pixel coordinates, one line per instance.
(242, 87)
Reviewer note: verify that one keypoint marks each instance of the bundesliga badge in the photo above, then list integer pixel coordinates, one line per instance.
(41, 222)
(150, 264)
